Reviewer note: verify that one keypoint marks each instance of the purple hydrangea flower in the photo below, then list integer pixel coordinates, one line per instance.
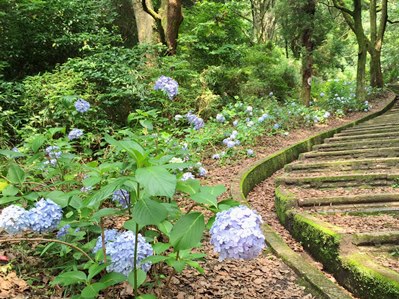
(220, 118)
(187, 176)
(53, 152)
(45, 216)
(194, 120)
(82, 106)
(216, 156)
(109, 236)
(122, 196)
(13, 219)
(167, 85)
(202, 171)
(236, 233)
(119, 246)
(75, 134)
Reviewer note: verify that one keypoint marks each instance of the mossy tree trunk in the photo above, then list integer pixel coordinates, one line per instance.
(144, 22)
(263, 20)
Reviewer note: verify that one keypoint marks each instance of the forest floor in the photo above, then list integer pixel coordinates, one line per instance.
(264, 277)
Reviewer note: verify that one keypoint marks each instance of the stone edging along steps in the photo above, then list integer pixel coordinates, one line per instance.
(316, 230)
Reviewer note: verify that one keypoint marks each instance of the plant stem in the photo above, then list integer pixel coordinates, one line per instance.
(136, 237)
(47, 240)
(103, 241)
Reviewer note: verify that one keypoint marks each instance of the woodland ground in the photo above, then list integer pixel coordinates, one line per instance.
(265, 277)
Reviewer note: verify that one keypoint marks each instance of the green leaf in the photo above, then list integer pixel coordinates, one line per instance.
(8, 199)
(92, 290)
(165, 227)
(10, 190)
(147, 211)
(96, 199)
(134, 149)
(178, 265)
(68, 278)
(196, 266)
(11, 154)
(91, 181)
(208, 195)
(3, 184)
(154, 259)
(187, 232)
(95, 269)
(147, 296)
(59, 197)
(16, 174)
(112, 278)
(37, 143)
(130, 225)
(190, 186)
(141, 276)
(156, 181)
(104, 212)
(146, 124)
(160, 247)
(227, 204)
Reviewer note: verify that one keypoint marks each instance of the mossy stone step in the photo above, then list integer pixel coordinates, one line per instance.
(351, 180)
(362, 144)
(355, 209)
(342, 165)
(354, 199)
(366, 125)
(369, 131)
(376, 238)
(391, 135)
(357, 129)
(384, 152)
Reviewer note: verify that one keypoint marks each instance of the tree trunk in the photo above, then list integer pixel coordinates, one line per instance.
(144, 22)
(362, 50)
(307, 52)
(376, 40)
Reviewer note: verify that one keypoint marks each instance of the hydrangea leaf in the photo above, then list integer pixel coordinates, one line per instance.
(68, 278)
(208, 195)
(37, 143)
(190, 186)
(112, 278)
(7, 199)
(11, 154)
(141, 276)
(10, 190)
(59, 197)
(134, 149)
(104, 212)
(16, 174)
(92, 290)
(187, 231)
(147, 211)
(156, 181)
(105, 192)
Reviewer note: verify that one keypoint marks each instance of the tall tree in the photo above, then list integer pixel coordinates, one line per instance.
(376, 40)
(354, 20)
(263, 20)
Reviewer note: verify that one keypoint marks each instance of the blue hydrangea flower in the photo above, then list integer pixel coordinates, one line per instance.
(276, 126)
(194, 120)
(236, 233)
(119, 247)
(250, 123)
(122, 196)
(13, 219)
(75, 134)
(220, 118)
(250, 152)
(86, 189)
(271, 94)
(178, 117)
(53, 152)
(187, 176)
(327, 114)
(249, 109)
(63, 231)
(82, 106)
(322, 94)
(216, 156)
(109, 236)
(45, 216)
(52, 162)
(202, 171)
(235, 123)
(15, 149)
(167, 85)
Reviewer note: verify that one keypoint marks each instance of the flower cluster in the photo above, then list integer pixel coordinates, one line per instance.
(232, 140)
(250, 152)
(119, 246)
(220, 118)
(122, 196)
(194, 120)
(53, 153)
(44, 217)
(82, 106)
(236, 233)
(167, 85)
(63, 231)
(263, 117)
(75, 134)
(187, 176)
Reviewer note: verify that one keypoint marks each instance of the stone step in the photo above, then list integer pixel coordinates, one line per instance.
(383, 152)
(368, 131)
(362, 144)
(354, 199)
(357, 128)
(366, 125)
(390, 135)
(342, 165)
(371, 208)
(350, 180)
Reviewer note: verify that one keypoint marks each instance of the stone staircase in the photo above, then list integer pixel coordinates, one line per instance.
(354, 174)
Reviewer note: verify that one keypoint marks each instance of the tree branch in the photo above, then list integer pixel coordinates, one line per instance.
(342, 8)
(47, 240)
(393, 22)
(148, 9)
